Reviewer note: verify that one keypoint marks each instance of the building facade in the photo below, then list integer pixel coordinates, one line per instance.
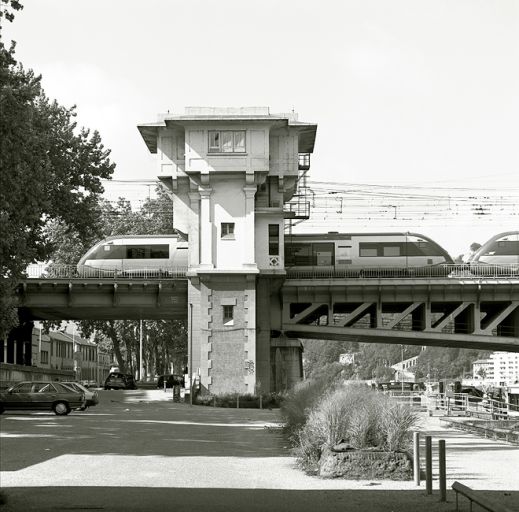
(230, 171)
(500, 369)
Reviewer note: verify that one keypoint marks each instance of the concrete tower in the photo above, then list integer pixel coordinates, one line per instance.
(231, 173)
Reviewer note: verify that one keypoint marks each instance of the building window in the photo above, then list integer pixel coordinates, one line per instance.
(273, 239)
(44, 357)
(228, 230)
(227, 141)
(228, 315)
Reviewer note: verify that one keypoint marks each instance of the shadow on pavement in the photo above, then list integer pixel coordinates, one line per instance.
(121, 499)
(140, 429)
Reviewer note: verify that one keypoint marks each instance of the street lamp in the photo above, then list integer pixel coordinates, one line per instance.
(190, 354)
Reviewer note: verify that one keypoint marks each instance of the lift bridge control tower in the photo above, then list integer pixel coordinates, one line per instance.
(234, 176)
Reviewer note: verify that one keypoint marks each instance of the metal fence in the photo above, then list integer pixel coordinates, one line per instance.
(54, 271)
(447, 271)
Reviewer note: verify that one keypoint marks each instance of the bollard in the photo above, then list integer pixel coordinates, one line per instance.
(261, 402)
(214, 400)
(237, 401)
(428, 464)
(416, 457)
(443, 476)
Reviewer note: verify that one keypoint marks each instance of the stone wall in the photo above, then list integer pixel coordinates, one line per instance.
(365, 464)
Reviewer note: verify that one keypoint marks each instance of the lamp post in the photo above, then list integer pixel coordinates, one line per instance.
(140, 350)
(402, 368)
(190, 354)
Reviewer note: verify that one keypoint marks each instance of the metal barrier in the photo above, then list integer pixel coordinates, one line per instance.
(53, 271)
(471, 406)
(450, 271)
(474, 497)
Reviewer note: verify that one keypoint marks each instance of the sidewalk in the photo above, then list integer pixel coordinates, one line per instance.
(474, 461)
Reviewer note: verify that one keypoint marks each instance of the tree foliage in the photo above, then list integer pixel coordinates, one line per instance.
(374, 360)
(50, 170)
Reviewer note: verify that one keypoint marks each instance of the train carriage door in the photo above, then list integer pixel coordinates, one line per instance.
(344, 255)
(323, 254)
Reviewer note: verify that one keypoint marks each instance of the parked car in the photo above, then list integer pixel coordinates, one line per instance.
(32, 395)
(120, 381)
(171, 380)
(91, 397)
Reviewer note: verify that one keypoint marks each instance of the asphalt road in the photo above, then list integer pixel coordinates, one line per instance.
(139, 451)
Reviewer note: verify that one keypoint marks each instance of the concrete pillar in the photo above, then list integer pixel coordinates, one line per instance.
(194, 232)
(249, 257)
(206, 228)
(263, 333)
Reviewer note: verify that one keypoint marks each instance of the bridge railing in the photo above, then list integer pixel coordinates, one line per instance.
(451, 271)
(54, 271)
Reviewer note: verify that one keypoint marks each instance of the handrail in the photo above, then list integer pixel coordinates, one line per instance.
(55, 271)
(450, 271)
(475, 498)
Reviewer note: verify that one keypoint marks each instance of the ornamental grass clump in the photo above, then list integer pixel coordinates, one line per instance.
(396, 422)
(300, 400)
(356, 416)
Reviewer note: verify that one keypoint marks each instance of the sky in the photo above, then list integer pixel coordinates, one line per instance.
(406, 93)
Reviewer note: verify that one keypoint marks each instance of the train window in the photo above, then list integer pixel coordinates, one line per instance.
(391, 250)
(505, 248)
(367, 249)
(145, 252)
(423, 249)
(159, 251)
(108, 252)
(298, 254)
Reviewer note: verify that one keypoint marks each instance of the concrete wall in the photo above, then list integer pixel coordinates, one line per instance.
(12, 373)
(171, 152)
(255, 158)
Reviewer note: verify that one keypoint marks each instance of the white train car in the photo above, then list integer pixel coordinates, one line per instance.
(357, 252)
(501, 250)
(135, 256)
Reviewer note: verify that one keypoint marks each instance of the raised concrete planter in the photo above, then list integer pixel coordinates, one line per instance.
(342, 461)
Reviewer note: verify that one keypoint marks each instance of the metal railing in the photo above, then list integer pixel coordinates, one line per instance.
(456, 402)
(472, 405)
(450, 271)
(54, 271)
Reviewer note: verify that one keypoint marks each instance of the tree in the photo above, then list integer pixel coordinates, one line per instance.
(49, 170)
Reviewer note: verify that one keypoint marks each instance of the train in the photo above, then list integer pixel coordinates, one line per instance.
(355, 254)
(135, 256)
(366, 253)
(501, 249)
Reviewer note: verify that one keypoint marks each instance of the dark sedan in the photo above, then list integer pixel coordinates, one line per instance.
(51, 396)
(91, 396)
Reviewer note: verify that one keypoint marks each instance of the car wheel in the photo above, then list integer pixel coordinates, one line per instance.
(61, 408)
(84, 408)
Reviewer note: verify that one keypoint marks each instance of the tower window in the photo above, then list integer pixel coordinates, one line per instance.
(227, 141)
(273, 239)
(228, 230)
(228, 315)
